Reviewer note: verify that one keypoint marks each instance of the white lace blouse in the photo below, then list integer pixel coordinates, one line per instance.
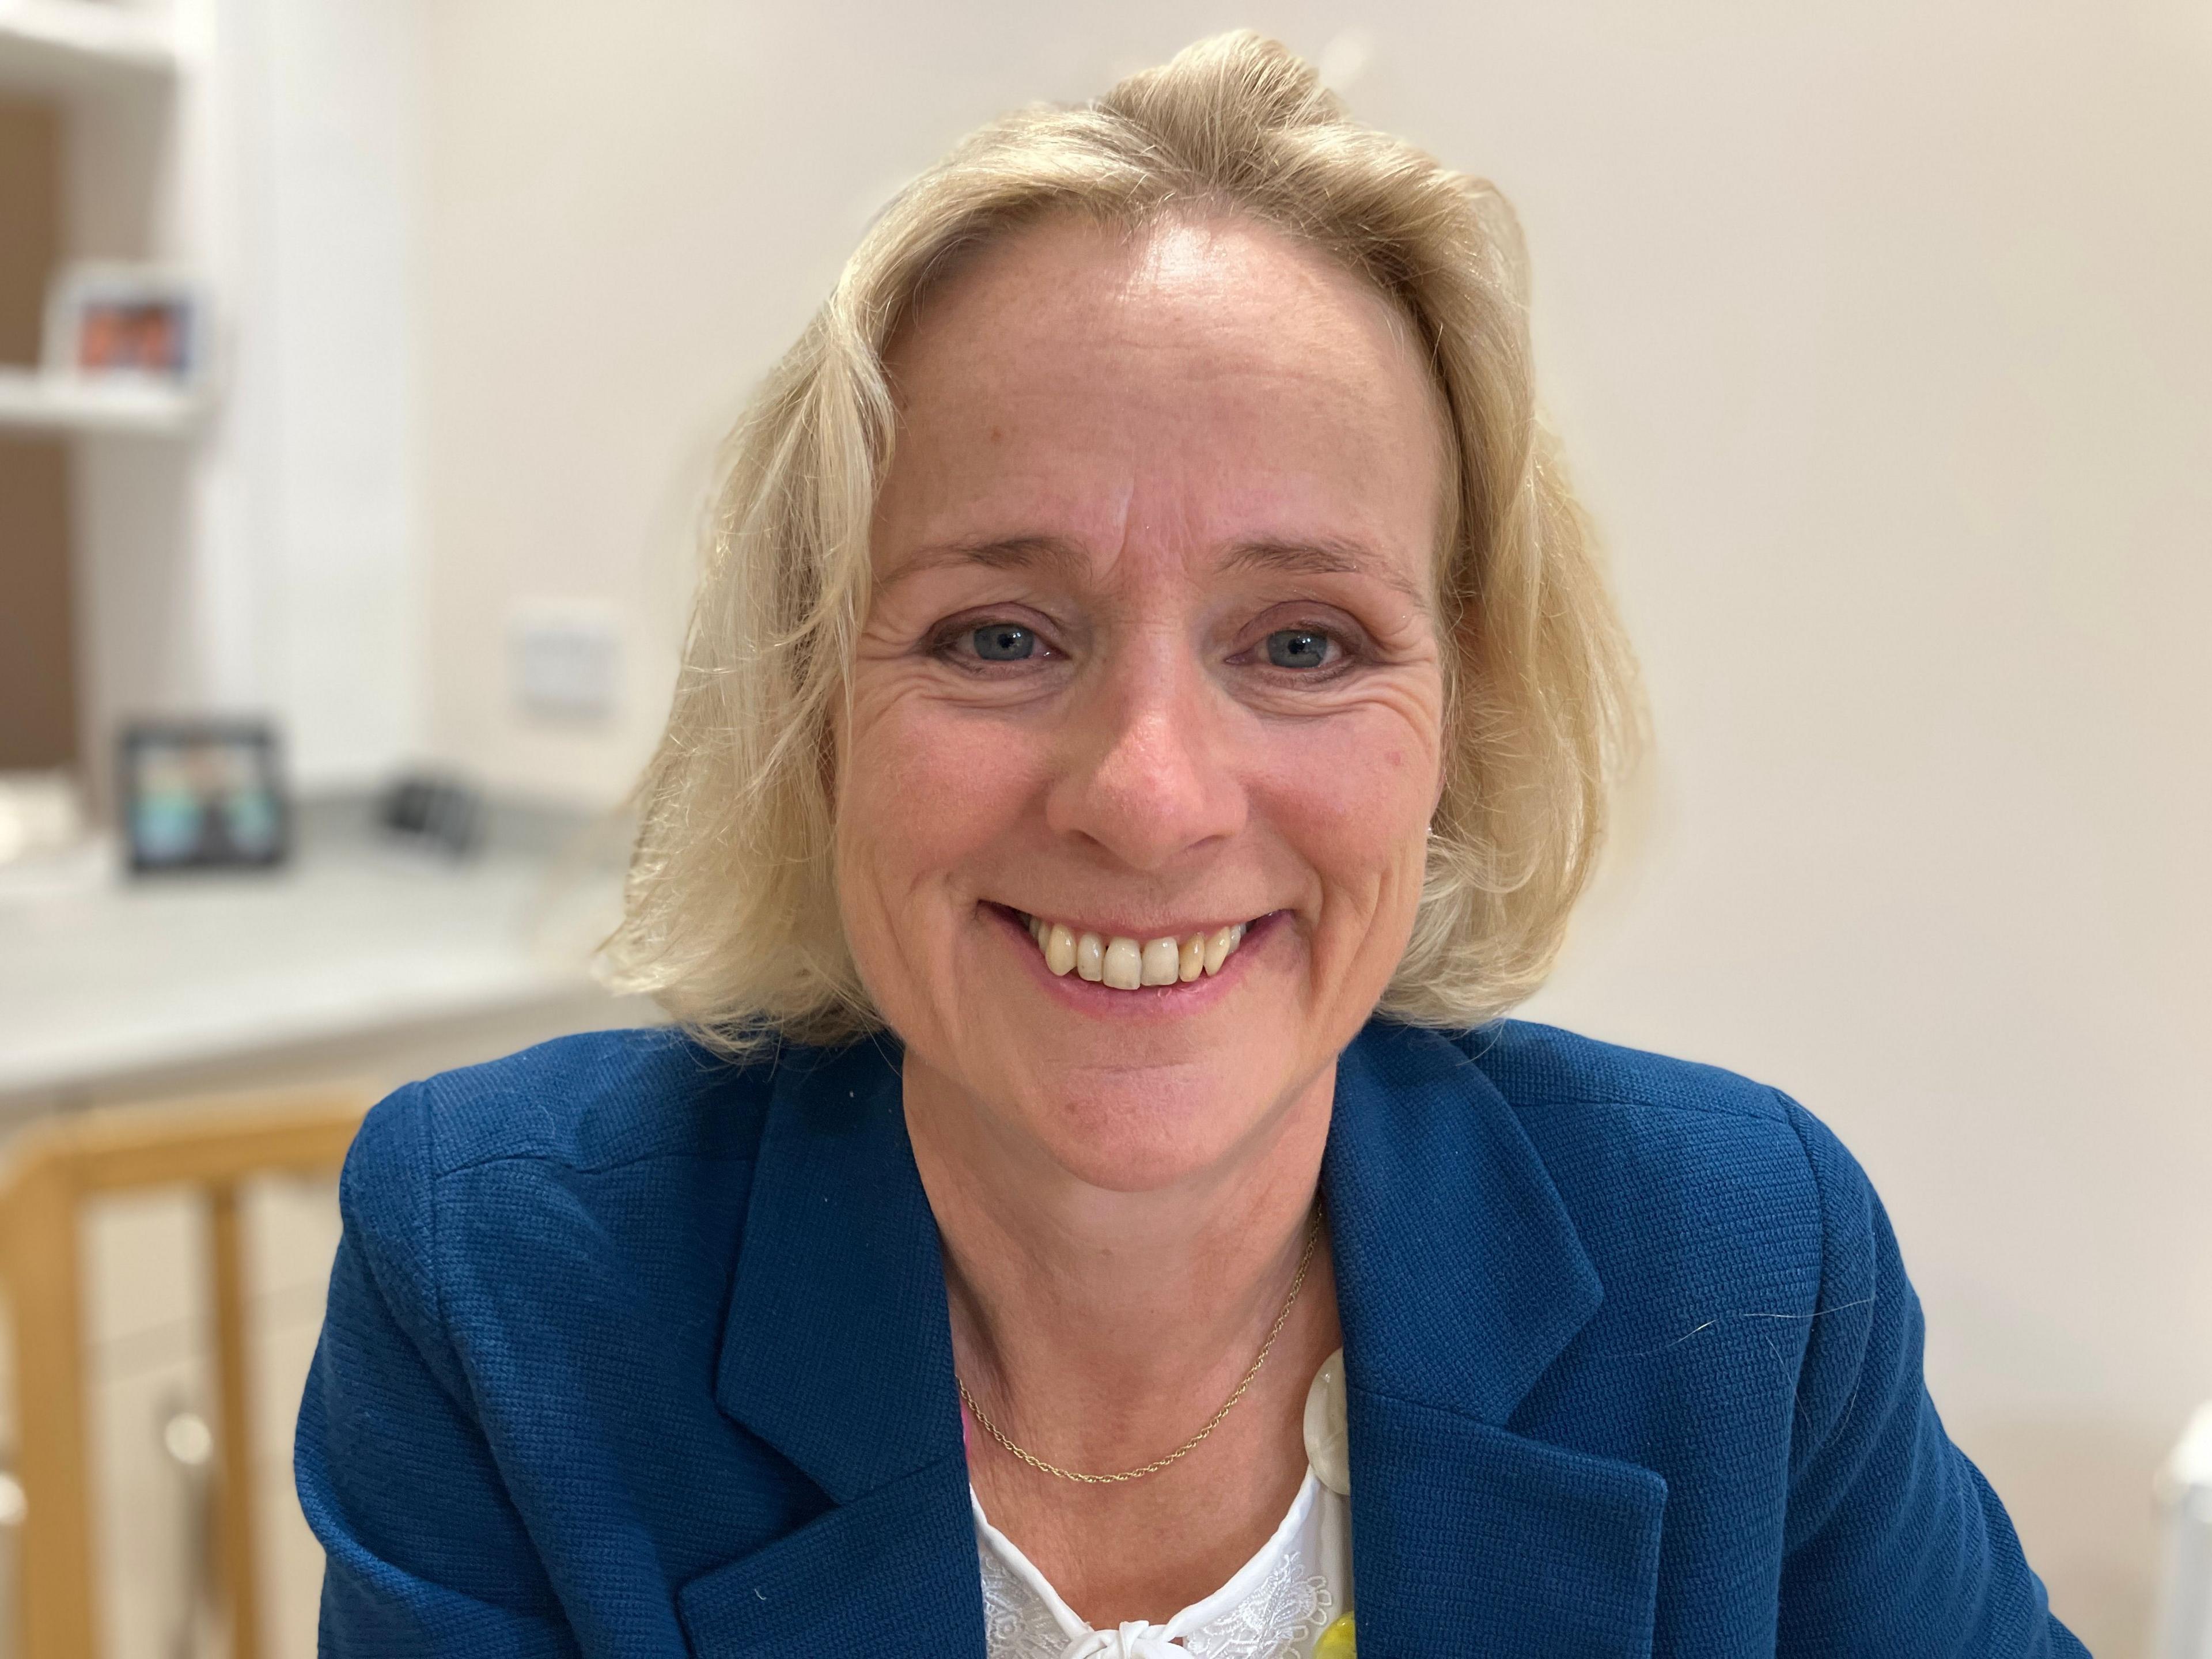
(1274, 1606)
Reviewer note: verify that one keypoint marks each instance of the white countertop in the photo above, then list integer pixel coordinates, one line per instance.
(122, 977)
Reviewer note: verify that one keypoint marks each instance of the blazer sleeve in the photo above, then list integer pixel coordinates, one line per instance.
(1894, 1545)
(426, 1553)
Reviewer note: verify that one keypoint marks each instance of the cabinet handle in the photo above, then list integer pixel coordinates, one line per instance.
(190, 1445)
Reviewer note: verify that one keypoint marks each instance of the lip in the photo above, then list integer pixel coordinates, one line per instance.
(1146, 1001)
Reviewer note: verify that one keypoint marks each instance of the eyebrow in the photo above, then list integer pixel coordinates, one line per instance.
(999, 553)
(1326, 555)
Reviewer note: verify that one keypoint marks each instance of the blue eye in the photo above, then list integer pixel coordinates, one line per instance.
(1004, 642)
(1297, 647)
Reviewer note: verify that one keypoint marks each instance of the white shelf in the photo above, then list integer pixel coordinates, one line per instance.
(33, 402)
(75, 46)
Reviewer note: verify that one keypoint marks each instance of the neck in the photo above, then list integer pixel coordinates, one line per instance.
(1096, 1319)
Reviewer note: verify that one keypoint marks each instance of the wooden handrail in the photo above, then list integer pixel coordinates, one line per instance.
(49, 1170)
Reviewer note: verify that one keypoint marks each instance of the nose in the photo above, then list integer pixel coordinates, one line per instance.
(1146, 775)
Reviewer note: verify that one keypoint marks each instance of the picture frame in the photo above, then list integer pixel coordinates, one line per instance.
(138, 323)
(202, 794)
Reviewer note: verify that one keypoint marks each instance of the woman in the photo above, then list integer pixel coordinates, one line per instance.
(1147, 720)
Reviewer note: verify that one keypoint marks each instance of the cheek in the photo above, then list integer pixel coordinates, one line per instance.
(924, 788)
(1353, 798)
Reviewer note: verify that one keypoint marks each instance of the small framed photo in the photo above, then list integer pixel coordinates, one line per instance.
(145, 324)
(202, 794)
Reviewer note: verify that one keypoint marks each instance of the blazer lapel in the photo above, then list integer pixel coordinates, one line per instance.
(838, 1353)
(1459, 1280)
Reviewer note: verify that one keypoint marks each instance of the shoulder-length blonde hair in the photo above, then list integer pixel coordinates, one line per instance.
(731, 917)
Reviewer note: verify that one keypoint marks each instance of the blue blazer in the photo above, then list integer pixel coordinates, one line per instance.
(633, 1351)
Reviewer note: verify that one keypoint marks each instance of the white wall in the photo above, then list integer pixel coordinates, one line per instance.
(334, 116)
(1888, 374)
(1877, 335)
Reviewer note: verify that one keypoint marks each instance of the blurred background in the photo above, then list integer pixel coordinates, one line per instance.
(362, 363)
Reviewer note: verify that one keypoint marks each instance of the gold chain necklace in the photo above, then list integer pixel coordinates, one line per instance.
(1297, 1283)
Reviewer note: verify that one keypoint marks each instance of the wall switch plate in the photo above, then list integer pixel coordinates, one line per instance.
(564, 659)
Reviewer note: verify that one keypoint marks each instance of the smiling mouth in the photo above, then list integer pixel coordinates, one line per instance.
(1122, 963)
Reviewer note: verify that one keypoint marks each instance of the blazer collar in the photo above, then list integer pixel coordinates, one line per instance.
(837, 1350)
(1459, 1280)
(1459, 1276)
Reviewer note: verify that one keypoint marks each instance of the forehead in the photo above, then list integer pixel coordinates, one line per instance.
(1198, 386)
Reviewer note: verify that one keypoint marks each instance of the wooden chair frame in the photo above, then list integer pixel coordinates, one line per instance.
(50, 1168)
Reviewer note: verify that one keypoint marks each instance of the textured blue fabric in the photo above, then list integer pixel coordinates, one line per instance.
(633, 1351)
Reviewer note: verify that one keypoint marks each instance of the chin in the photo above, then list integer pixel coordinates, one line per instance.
(1145, 1129)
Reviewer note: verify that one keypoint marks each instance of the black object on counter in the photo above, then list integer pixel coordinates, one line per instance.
(435, 813)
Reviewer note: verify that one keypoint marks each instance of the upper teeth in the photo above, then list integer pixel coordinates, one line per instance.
(1126, 964)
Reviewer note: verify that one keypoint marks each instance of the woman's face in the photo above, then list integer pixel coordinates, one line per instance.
(1151, 653)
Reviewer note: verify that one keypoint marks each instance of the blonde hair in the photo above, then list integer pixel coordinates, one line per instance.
(731, 917)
